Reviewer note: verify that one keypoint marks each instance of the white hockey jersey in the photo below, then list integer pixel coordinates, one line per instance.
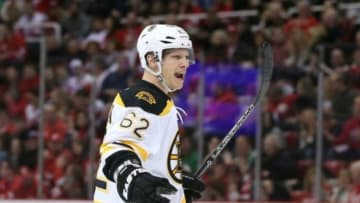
(144, 120)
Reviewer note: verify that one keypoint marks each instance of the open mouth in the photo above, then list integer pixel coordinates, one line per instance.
(179, 75)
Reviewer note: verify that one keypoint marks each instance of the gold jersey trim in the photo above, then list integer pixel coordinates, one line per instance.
(118, 100)
(166, 110)
(138, 149)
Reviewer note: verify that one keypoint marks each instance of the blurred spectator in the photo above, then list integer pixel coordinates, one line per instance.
(129, 50)
(313, 64)
(212, 144)
(7, 126)
(79, 152)
(61, 101)
(45, 5)
(101, 71)
(299, 44)
(74, 50)
(218, 47)
(304, 21)
(72, 183)
(357, 38)
(81, 79)
(354, 192)
(156, 8)
(275, 96)
(273, 16)
(29, 79)
(75, 24)
(245, 51)
(12, 46)
(15, 155)
(51, 80)
(97, 34)
(349, 137)
(336, 27)
(190, 6)
(354, 70)
(280, 49)
(338, 60)
(276, 166)
(30, 149)
(62, 74)
(3, 150)
(233, 192)
(342, 96)
(10, 182)
(14, 100)
(57, 159)
(81, 126)
(244, 155)
(307, 135)
(31, 21)
(128, 32)
(189, 155)
(111, 51)
(54, 123)
(212, 23)
(11, 10)
(117, 80)
(303, 97)
(216, 179)
(274, 191)
(104, 8)
(309, 183)
(28, 187)
(341, 189)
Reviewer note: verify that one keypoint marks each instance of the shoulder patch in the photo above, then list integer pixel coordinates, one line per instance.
(146, 96)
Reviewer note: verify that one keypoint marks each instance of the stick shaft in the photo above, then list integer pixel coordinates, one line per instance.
(214, 154)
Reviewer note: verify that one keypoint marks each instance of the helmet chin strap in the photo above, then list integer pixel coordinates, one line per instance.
(162, 79)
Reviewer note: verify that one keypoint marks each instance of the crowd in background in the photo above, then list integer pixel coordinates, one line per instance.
(97, 51)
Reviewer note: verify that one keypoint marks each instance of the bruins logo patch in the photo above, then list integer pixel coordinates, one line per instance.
(146, 96)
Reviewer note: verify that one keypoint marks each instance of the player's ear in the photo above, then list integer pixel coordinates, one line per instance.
(151, 61)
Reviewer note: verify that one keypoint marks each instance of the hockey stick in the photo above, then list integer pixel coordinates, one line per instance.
(266, 72)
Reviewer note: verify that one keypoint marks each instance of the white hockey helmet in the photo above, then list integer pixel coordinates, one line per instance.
(156, 38)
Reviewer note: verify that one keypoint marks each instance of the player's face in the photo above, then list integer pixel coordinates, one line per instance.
(175, 64)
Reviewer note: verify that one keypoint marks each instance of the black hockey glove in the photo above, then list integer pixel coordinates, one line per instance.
(134, 183)
(192, 187)
(140, 186)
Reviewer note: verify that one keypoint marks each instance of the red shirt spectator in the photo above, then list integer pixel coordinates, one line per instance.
(54, 125)
(30, 80)
(304, 21)
(44, 6)
(12, 44)
(350, 134)
(354, 195)
(27, 185)
(15, 106)
(354, 70)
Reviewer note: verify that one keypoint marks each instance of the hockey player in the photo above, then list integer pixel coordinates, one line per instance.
(140, 157)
